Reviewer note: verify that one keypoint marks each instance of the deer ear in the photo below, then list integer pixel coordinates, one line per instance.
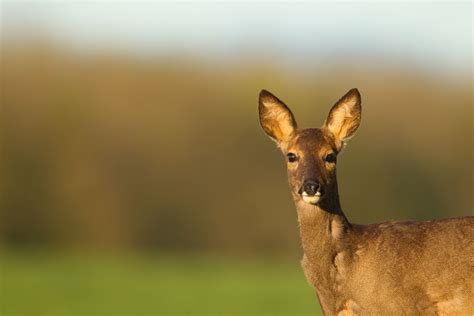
(344, 117)
(275, 117)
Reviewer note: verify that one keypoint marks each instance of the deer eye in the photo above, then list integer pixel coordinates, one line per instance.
(331, 158)
(291, 157)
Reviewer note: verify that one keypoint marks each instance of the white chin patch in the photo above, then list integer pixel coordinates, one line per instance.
(311, 199)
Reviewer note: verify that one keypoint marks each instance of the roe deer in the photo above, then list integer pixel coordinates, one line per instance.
(392, 268)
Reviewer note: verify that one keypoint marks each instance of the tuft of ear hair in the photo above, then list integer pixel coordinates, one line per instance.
(344, 117)
(276, 118)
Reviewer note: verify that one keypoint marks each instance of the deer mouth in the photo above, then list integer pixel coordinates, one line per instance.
(311, 199)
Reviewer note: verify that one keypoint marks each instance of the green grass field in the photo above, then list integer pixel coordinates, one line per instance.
(52, 284)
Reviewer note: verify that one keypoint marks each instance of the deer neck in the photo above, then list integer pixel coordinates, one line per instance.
(325, 234)
(324, 231)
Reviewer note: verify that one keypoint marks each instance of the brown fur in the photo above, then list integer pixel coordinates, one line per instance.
(413, 268)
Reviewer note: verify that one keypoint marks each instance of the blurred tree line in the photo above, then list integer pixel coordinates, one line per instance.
(108, 151)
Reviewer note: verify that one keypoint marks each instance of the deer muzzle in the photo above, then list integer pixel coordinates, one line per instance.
(311, 191)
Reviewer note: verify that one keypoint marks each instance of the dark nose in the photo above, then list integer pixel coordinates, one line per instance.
(310, 187)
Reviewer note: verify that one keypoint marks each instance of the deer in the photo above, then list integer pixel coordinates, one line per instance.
(390, 268)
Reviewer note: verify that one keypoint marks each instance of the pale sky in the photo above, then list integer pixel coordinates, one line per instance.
(433, 35)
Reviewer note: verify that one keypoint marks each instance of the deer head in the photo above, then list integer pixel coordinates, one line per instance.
(311, 153)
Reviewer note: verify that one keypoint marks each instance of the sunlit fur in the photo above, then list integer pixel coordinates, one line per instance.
(393, 268)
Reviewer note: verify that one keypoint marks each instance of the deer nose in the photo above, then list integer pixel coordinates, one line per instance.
(310, 187)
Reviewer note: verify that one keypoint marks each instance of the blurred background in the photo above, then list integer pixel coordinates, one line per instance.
(136, 180)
